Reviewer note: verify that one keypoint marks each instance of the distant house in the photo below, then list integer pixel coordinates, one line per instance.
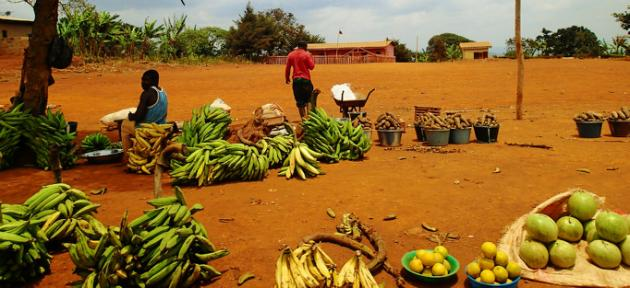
(14, 34)
(347, 53)
(12, 27)
(475, 50)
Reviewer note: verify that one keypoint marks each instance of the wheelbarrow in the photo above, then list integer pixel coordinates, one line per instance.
(351, 106)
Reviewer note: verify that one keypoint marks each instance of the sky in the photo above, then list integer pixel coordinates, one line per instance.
(374, 20)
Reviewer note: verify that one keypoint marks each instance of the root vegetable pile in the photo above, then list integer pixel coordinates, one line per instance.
(487, 120)
(457, 121)
(622, 115)
(387, 121)
(363, 121)
(431, 121)
(589, 116)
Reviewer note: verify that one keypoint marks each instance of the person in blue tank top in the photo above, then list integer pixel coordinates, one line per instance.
(152, 108)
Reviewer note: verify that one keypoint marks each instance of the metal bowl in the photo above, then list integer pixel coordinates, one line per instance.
(104, 156)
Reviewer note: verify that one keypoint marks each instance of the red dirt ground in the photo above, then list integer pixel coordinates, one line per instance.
(417, 187)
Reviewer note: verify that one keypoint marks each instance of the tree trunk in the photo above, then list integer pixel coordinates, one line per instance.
(520, 61)
(36, 68)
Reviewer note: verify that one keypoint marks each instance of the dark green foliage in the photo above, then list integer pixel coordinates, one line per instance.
(438, 45)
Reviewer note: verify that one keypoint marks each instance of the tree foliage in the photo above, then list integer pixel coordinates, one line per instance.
(272, 32)
(438, 45)
(624, 19)
(531, 47)
(403, 54)
(571, 41)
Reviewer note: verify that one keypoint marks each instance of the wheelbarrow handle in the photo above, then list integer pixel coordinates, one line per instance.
(369, 93)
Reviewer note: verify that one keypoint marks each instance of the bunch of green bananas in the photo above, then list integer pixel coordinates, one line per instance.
(48, 130)
(165, 247)
(276, 148)
(207, 124)
(302, 161)
(306, 266)
(95, 142)
(220, 161)
(10, 133)
(334, 139)
(63, 211)
(150, 140)
(23, 254)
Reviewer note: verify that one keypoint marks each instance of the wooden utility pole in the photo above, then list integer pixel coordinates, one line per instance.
(519, 60)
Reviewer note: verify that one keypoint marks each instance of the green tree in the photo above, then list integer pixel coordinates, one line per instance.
(202, 42)
(252, 37)
(403, 54)
(571, 41)
(259, 34)
(531, 47)
(453, 52)
(287, 31)
(438, 44)
(624, 19)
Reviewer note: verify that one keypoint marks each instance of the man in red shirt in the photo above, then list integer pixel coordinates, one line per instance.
(301, 61)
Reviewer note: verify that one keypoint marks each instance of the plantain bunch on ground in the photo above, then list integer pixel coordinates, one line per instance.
(309, 266)
(335, 140)
(276, 148)
(487, 120)
(622, 115)
(431, 121)
(387, 121)
(207, 124)
(220, 161)
(148, 143)
(164, 247)
(45, 132)
(23, 254)
(94, 142)
(62, 212)
(457, 121)
(56, 213)
(301, 162)
(11, 132)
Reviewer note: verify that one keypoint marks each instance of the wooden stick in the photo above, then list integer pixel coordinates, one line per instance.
(157, 181)
(366, 250)
(542, 146)
(55, 163)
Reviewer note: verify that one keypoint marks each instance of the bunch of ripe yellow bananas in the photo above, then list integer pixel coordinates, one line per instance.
(309, 266)
(276, 148)
(150, 140)
(302, 161)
